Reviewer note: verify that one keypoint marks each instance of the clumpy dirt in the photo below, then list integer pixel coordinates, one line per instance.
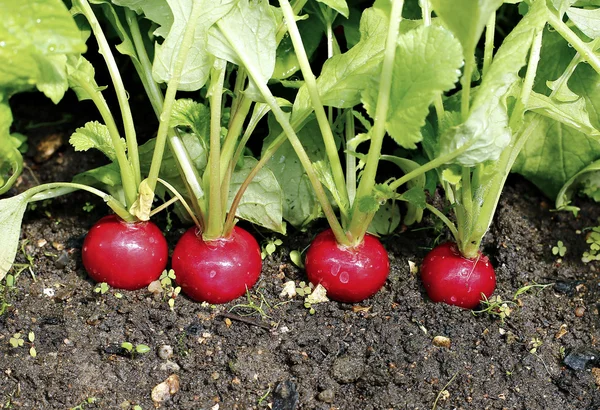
(268, 351)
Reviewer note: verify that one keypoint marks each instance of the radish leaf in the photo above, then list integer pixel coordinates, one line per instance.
(11, 215)
(94, 135)
(427, 63)
(588, 21)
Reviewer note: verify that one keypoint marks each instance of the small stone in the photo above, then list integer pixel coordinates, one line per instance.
(596, 374)
(441, 341)
(170, 367)
(41, 243)
(326, 396)
(155, 287)
(215, 376)
(347, 369)
(581, 357)
(165, 352)
(163, 391)
(579, 311)
(63, 260)
(289, 289)
(227, 322)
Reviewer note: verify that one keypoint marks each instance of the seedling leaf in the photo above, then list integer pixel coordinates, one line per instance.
(94, 135)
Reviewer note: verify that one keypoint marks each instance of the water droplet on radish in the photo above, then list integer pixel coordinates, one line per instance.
(85, 248)
(335, 270)
(453, 299)
(212, 273)
(344, 277)
(151, 240)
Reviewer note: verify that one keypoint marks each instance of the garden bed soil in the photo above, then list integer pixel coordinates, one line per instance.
(378, 354)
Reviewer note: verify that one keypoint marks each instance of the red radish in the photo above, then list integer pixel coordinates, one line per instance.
(349, 274)
(217, 271)
(451, 278)
(124, 255)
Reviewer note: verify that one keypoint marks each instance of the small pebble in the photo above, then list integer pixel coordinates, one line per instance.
(579, 311)
(62, 261)
(582, 357)
(163, 391)
(441, 341)
(41, 242)
(347, 369)
(165, 352)
(326, 396)
(170, 367)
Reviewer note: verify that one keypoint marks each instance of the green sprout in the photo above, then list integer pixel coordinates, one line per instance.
(270, 247)
(593, 240)
(560, 249)
(135, 350)
(88, 207)
(102, 288)
(166, 282)
(535, 343)
(17, 341)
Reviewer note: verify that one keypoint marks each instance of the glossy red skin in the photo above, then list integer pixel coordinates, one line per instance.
(349, 274)
(124, 255)
(453, 279)
(217, 271)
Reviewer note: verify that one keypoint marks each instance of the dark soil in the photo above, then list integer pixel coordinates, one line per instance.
(375, 355)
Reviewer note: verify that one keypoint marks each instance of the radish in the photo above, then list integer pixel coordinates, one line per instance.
(124, 255)
(451, 278)
(217, 271)
(349, 274)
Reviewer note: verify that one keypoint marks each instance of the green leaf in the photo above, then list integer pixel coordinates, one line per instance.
(94, 135)
(386, 219)
(486, 128)
(262, 203)
(81, 72)
(414, 212)
(588, 21)
(11, 161)
(300, 205)
(338, 5)
(106, 177)
(427, 63)
(11, 215)
(199, 61)
(345, 76)
(35, 37)
(158, 11)
(141, 349)
(587, 181)
(286, 62)
(246, 37)
(415, 196)
(466, 19)
(554, 153)
(196, 116)
(127, 346)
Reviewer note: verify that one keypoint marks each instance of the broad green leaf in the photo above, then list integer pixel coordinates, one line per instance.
(554, 153)
(262, 203)
(325, 176)
(574, 114)
(94, 135)
(586, 83)
(562, 5)
(11, 215)
(386, 219)
(300, 205)
(588, 21)
(80, 74)
(466, 19)
(246, 37)
(157, 11)
(427, 62)
(345, 76)
(286, 62)
(338, 5)
(555, 56)
(199, 61)
(189, 113)
(35, 37)
(486, 128)
(106, 177)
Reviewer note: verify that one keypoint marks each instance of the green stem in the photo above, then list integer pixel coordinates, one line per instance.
(437, 102)
(488, 51)
(127, 177)
(360, 221)
(582, 48)
(152, 88)
(444, 219)
(516, 119)
(167, 107)
(55, 189)
(282, 29)
(465, 98)
(282, 119)
(434, 163)
(122, 97)
(215, 220)
(240, 81)
(181, 199)
(317, 105)
(233, 133)
(350, 159)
